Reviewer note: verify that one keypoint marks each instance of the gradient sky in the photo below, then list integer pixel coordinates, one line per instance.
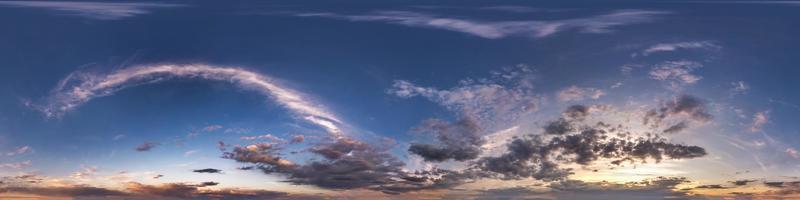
(399, 100)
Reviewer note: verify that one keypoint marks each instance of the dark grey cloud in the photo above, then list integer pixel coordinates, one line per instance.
(714, 186)
(680, 126)
(146, 146)
(690, 106)
(208, 183)
(264, 155)
(742, 182)
(558, 127)
(208, 170)
(460, 141)
(532, 156)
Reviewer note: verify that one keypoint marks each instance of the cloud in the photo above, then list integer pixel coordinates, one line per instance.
(16, 165)
(687, 106)
(759, 120)
(263, 154)
(192, 191)
(505, 97)
(574, 142)
(269, 137)
(460, 141)
(146, 146)
(69, 191)
(19, 151)
(793, 153)
(80, 87)
(500, 29)
(189, 153)
(739, 87)
(742, 182)
(93, 10)
(574, 93)
(676, 74)
(208, 170)
(667, 47)
(297, 139)
(211, 128)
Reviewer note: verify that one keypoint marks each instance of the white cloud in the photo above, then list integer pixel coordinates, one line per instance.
(575, 93)
(16, 165)
(79, 88)
(19, 150)
(93, 10)
(190, 153)
(665, 47)
(264, 137)
(739, 87)
(759, 120)
(793, 153)
(676, 73)
(211, 128)
(501, 99)
(500, 29)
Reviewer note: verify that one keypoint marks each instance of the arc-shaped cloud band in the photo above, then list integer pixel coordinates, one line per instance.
(79, 88)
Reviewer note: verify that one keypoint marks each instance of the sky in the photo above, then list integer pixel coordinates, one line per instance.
(399, 100)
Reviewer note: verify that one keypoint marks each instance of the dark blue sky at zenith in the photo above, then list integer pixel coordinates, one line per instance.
(399, 99)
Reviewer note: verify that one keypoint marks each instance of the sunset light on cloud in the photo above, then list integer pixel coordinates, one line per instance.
(399, 100)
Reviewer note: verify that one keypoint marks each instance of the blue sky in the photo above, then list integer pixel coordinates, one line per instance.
(127, 99)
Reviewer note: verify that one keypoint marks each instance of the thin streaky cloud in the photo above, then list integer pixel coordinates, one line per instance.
(79, 88)
(93, 10)
(667, 47)
(500, 29)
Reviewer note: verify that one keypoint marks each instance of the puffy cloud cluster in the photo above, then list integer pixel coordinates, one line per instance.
(680, 107)
(459, 141)
(535, 156)
(676, 74)
(575, 93)
(504, 97)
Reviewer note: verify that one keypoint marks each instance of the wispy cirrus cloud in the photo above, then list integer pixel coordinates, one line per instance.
(80, 87)
(667, 47)
(93, 10)
(489, 29)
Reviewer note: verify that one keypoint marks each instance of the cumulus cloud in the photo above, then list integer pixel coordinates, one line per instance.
(534, 156)
(459, 141)
(146, 146)
(667, 47)
(93, 10)
(499, 29)
(80, 87)
(686, 106)
(676, 74)
(575, 93)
